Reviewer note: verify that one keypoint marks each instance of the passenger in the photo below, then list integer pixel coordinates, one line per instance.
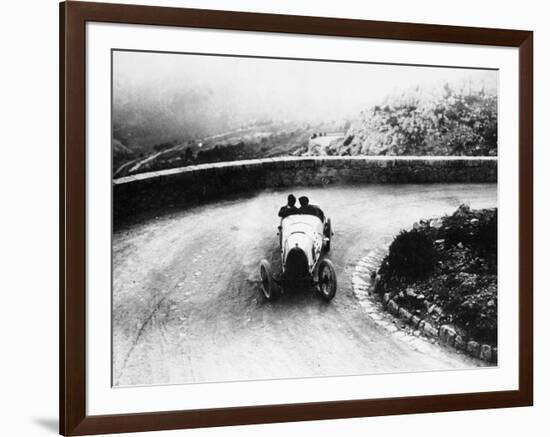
(306, 208)
(289, 208)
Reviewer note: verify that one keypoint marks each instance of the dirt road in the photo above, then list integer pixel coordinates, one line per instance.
(186, 305)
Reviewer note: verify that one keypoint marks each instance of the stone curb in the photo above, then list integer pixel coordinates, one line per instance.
(445, 334)
(365, 277)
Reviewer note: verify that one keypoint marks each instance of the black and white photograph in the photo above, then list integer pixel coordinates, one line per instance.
(278, 218)
(263, 218)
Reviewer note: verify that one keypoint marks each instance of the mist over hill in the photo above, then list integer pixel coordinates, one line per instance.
(173, 110)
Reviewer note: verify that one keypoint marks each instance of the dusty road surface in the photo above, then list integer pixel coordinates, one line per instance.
(187, 307)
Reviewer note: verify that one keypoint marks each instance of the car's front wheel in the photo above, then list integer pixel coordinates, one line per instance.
(267, 285)
(326, 280)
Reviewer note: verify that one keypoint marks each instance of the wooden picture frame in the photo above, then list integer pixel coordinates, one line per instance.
(72, 158)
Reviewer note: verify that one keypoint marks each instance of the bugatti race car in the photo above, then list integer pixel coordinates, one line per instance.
(304, 242)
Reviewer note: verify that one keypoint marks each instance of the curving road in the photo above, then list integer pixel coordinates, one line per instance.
(186, 305)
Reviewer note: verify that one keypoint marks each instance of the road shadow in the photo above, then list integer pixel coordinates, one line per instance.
(293, 299)
(48, 423)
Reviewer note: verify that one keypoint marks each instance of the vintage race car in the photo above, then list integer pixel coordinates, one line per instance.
(304, 240)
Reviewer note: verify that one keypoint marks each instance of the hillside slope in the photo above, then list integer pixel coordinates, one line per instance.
(447, 122)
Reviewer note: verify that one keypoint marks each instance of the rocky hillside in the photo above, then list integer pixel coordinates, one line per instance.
(446, 122)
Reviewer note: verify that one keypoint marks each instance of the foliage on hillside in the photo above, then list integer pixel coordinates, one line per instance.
(448, 122)
(251, 144)
(446, 270)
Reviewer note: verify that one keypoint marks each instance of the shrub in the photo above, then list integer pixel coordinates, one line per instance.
(486, 235)
(476, 229)
(411, 255)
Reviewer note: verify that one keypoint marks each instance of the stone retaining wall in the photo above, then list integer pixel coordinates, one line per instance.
(181, 186)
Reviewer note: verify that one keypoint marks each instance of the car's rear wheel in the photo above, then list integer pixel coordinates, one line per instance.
(267, 285)
(326, 280)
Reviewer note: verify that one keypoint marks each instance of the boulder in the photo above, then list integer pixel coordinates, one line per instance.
(447, 334)
(430, 330)
(485, 352)
(415, 320)
(393, 308)
(404, 314)
(460, 343)
(473, 348)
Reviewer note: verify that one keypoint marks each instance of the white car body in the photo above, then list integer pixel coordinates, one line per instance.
(302, 232)
(305, 239)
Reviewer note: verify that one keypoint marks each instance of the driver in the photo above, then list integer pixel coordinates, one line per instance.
(289, 208)
(307, 208)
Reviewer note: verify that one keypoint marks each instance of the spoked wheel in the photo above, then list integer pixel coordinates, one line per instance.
(327, 283)
(267, 284)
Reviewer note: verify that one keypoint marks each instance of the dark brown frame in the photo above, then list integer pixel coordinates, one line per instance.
(72, 273)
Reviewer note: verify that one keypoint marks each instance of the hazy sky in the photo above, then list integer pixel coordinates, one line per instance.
(302, 90)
